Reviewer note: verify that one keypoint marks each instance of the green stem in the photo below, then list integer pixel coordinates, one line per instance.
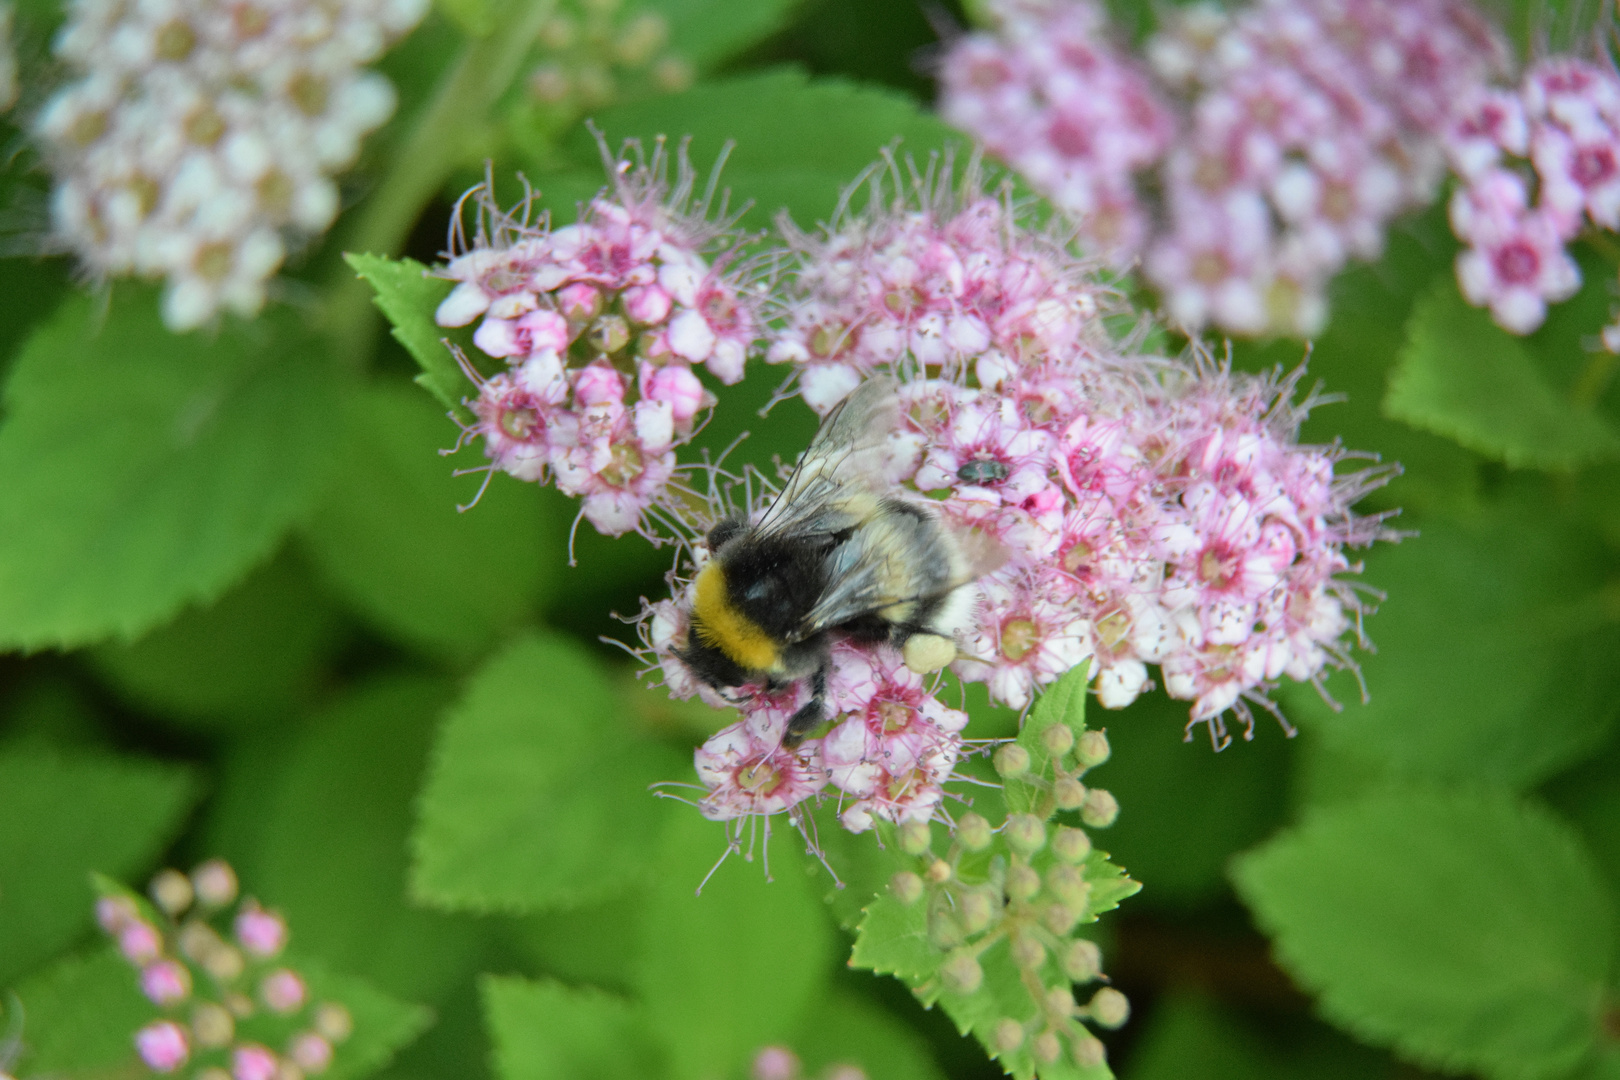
(444, 134)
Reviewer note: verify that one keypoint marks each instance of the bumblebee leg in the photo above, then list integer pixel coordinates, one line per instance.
(811, 713)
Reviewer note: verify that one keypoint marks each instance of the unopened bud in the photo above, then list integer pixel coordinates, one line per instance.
(906, 887)
(225, 964)
(139, 943)
(1057, 739)
(1027, 953)
(282, 991)
(311, 1052)
(939, 871)
(1082, 960)
(673, 74)
(1089, 1052)
(166, 982)
(213, 1025)
(116, 912)
(1068, 884)
(1007, 1036)
(944, 930)
(333, 1021)
(1047, 1048)
(215, 883)
(1069, 793)
(610, 333)
(1059, 917)
(1071, 845)
(251, 1061)
(915, 837)
(1012, 761)
(775, 1063)
(1026, 833)
(1023, 883)
(976, 910)
(973, 832)
(261, 932)
(214, 1072)
(1093, 750)
(163, 1046)
(1058, 1003)
(171, 891)
(1109, 1007)
(962, 973)
(240, 1005)
(1101, 809)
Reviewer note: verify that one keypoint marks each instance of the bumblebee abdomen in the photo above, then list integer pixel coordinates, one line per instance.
(721, 624)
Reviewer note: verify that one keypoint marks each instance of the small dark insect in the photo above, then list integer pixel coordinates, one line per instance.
(982, 471)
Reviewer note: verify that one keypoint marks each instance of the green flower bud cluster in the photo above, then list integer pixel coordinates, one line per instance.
(1018, 892)
(595, 52)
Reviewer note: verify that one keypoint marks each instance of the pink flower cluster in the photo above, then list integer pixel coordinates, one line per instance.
(600, 325)
(1152, 511)
(1301, 129)
(206, 983)
(1561, 127)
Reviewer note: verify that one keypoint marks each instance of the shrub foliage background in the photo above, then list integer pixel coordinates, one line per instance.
(244, 619)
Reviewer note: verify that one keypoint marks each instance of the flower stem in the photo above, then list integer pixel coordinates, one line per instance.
(446, 131)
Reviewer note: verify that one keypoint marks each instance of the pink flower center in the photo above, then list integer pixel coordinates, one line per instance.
(761, 778)
(1019, 638)
(1517, 263)
(893, 716)
(1593, 165)
(519, 423)
(1069, 139)
(1210, 268)
(626, 464)
(1112, 628)
(1078, 557)
(1217, 567)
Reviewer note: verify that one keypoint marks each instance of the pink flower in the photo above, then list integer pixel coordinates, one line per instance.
(165, 982)
(261, 932)
(747, 771)
(1025, 637)
(1515, 268)
(163, 1046)
(1579, 172)
(253, 1062)
(114, 913)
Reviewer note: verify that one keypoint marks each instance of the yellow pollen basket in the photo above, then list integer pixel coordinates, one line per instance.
(727, 629)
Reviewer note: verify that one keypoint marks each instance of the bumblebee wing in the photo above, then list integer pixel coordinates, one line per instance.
(840, 473)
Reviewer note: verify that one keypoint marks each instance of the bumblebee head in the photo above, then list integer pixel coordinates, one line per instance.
(719, 625)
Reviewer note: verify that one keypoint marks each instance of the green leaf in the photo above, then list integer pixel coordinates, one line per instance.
(1188, 1035)
(537, 794)
(390, 539)
(80, 1016)
(1462, 376)
(325, 838)
(1494, 658)
(144, 471)
(849, 1029)
(706, 33)
(892, 939)
(408, 296)
(544, 1030)
(728, 971)
(472, 17)
(383, 1024)
(255, 655)
(799, 143)
(1064, 702)
(1470, 932)
(62, 817)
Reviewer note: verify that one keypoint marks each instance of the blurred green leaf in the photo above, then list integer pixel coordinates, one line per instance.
(845, 1029)
(383, 1025)
(253, 656)
(63, 816)
(537, 794)
(80, 1016)
(705, 33)
(728, 971)
(472, 17)
(144, 471)
(408, 297)
(547, 1031)
(1462, 376)
(593, 944)
(1471, 932)
(389, 537)
(1188, 1035)
(1495, 649)
(799, 142)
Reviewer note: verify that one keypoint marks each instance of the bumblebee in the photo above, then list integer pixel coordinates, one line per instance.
(840, 554)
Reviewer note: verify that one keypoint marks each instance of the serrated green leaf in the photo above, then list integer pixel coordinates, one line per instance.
(799, 142)
(80, 1016)
(390, 539)
(144, 471)
(253, 656)
(892, 939)
(63, 816)
(1462, 376)
(383, 1025)
(1494, 652)
(728, 971)
(537, 795)
(706, 33)
(1064, 702)
(544, 1030)
(1470, 932)
(408, 296)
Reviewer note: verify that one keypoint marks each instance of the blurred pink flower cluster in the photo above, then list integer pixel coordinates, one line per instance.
(1284, 136)
(223, 997)
(1152, 511)
(599, 325)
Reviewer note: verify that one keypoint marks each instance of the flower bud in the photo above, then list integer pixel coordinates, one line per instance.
(261, 933)
(1058, 1003)
(1007, 1036)
(310, 1052)
(240, 1005)
(163, 1046)
(116, 912)
(213, 1072)
(333, 1021)
(906, 887)
(579, 302)
(1071, 845)
(1027, 952)
(253, 1062)
(139, 943)
(1093, 750)
(1012, 761)
(1109, 1007)
(165, 982)
(1023, 883)
(1058, 740)
(282, 991)
(973, 831)
(1082, 960)
(1089, 1051)
(1025, 833)
(1069, 793)
(214, 883)
(915, 837)
(1068, 884)
(1101, 809)
(939, 871)
(171, 891)
(225, 964)
(962, 973)
(976, 910)
(775, 1063)
(1047, 1048)
(1060, 917)
(213, 1025)
(944, 930)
